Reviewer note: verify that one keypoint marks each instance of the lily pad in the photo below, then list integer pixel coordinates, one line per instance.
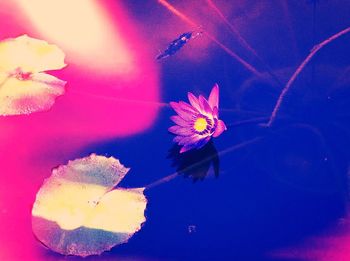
(24, 85)
(80, 211)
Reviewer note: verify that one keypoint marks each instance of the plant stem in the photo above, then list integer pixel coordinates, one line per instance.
(220, 153)
(243, 41)
(249, 121)
(314, 50)
(111, 98)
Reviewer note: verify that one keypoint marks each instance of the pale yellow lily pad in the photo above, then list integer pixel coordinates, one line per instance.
(24, 86)
(30, 54)
(28, 96)
(78, 210)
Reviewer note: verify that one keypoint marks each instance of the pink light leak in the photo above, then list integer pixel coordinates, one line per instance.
(332, 245)
(90, 38)
(106, 57)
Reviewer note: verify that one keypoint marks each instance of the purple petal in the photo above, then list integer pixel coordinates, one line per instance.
(215, 112)
(186, 115)
(205, 107)
(177, 139)
(187, 148)
(193, 100)
(188, 140)
(197, 145)
(202, 142)
(214, 97)
(180, 121)
(187, 107)
(180, 131)
(219, 128)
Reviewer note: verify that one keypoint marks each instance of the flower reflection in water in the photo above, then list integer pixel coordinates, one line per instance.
(195, 164)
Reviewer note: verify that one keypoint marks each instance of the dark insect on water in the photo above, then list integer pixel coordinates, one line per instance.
(177, 44)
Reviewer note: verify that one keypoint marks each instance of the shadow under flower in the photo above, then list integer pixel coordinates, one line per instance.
(195, 163)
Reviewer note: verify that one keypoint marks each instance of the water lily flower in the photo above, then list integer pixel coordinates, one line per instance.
(24, 85)
(198, 121)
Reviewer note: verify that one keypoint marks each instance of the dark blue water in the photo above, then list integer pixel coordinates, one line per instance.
(290, 183)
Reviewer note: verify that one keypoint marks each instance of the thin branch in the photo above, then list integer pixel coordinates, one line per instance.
(250, 121)
(287, 17)
(220, 153)
(143, 102)
(190, 22)
(232, 28)
(111, 98)
(314, 50)
(242, 40)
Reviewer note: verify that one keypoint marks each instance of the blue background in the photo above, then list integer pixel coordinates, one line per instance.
(289, 184)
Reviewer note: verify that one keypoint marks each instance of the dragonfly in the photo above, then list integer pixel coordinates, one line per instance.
(177, 44)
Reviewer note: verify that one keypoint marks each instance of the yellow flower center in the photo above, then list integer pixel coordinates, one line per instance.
(200, 124)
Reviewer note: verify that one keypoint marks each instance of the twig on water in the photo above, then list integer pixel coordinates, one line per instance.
(314, 50)
(243, 41)
(220, 153)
